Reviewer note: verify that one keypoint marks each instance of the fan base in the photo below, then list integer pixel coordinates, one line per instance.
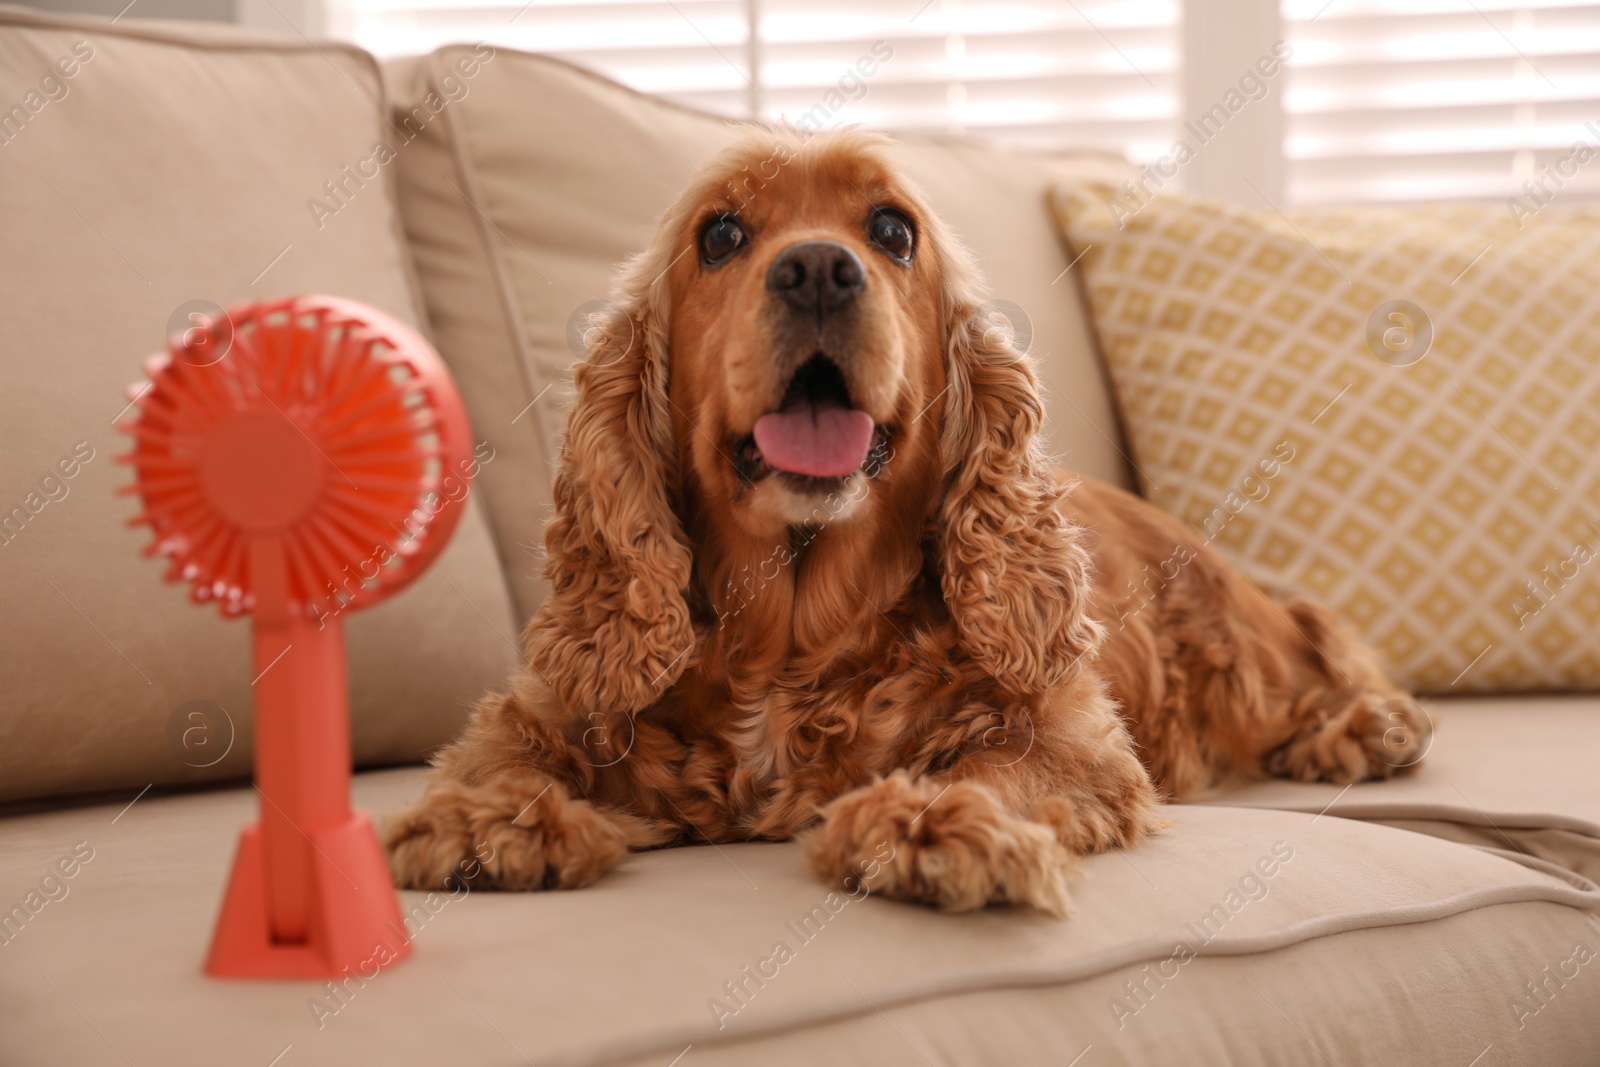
(354, 931)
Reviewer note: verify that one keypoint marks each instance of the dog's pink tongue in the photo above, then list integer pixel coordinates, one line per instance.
(820, 442)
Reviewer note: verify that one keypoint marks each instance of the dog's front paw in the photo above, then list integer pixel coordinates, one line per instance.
(508, 834)
(953, 846)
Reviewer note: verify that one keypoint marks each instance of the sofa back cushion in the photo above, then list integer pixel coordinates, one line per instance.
(528, 181)
(142, 169)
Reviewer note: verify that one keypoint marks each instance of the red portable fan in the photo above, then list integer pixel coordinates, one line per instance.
(289, 456)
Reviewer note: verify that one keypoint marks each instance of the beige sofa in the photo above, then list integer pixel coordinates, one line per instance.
(1446, 918)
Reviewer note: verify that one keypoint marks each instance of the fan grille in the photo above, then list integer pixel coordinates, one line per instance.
(366, 433)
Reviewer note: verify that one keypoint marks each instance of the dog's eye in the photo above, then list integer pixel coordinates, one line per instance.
(892, 232)
(720, 238)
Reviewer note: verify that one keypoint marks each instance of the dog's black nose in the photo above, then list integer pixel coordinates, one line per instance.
(816, 276)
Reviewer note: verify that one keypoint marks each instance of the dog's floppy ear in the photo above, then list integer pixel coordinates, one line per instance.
(615, 631)
(1014, 571)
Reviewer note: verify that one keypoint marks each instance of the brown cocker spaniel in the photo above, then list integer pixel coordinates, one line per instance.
(811, 571)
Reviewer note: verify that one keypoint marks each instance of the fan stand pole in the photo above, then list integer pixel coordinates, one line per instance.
(310, 894)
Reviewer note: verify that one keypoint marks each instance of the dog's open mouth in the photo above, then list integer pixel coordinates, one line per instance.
(815, 433)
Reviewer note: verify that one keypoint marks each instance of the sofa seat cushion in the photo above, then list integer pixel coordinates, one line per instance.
(1511, 773)
(681, 947)
(172, 169)
(1305, 1004)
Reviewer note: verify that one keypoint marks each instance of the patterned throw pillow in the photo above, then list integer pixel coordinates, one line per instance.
(1395, 410)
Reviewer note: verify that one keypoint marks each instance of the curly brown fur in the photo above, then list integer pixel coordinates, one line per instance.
(949, 681)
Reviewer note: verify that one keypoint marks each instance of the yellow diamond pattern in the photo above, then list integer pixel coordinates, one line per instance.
(1449, 508)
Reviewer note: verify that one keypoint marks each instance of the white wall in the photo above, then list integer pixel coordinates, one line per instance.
(1222, 41)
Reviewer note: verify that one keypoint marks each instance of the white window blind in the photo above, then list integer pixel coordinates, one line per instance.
(1088, 73)
(1383, 100)
(693, 51)
(1395, 100)
(1057, 73)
